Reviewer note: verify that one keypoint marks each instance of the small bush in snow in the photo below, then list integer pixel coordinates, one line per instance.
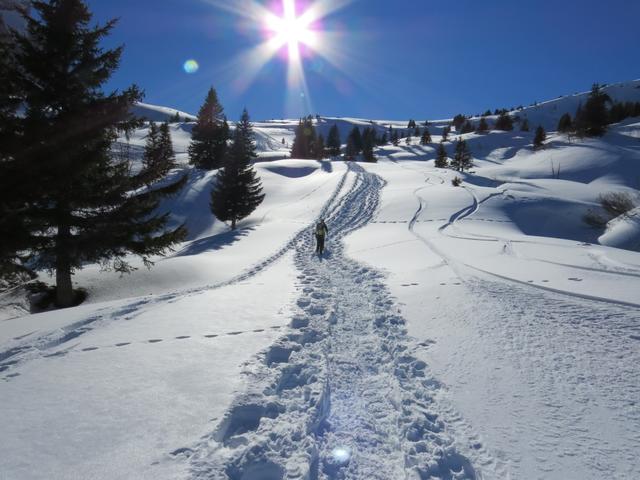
(456, 182)
(614, 205)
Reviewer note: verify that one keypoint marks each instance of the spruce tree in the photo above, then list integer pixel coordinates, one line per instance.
(462, 157)
(426, 137)
(351, 151)
(541, 136)
(445, 133)
(13, 194)
(87, 207)
(319, 148)
(458, 121)
(565, 124)
(441, 157)
(524, 127)
(596, 116)
(395, 139)
(238, 192)
(158, 158)
(580, 122)
(210, 134)
(304, 140)
(504, 122)
(467, 127)
(483, 126)
(368, 144)
(416, 132)
(356, 137)
(333, 141)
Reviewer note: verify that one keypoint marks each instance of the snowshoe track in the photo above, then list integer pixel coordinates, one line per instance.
(341, 396)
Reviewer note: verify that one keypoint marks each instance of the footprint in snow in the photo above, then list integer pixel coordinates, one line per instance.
(210, 336)
(154, 340)
(124, 344)
(235, 333)
(575, 279)
(183, 337)
(89, 349)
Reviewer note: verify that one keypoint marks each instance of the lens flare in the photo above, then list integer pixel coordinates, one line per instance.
(191, 66)
(341, 455)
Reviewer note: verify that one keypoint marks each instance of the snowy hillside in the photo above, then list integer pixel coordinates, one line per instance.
(475, 332)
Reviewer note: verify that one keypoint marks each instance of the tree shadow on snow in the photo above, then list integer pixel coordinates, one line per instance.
(214, 242)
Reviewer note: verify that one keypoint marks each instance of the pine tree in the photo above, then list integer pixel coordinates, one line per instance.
(333, 141)
(524, 127)
(319, 148)
(445, 133)
(441, 157)
(541, 136)
(351, 152)
(504, 122)
(210, 134)
(238, 192)
(483, 126)
(596, 116)
(416, 132)
(13, 194)
(426, 137)
(84, 209)
(395, 139)
(462, 157)
(458, 121)
(368, 144)
(565, 124)
(411, 124)
(356, 138)
(467, 127)
(304, 140)
(159, 157)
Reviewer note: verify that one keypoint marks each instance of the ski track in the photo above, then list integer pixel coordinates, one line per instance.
(342, 396)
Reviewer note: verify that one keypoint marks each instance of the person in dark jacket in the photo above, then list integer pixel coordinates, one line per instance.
(321, 234)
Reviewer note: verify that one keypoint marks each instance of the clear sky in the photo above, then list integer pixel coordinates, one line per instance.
(378, 59)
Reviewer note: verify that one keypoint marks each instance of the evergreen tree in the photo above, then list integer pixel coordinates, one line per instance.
(305, 139)
(580, 122)
(383, 139)
(467, 127)
(483, 126)
(416, 132)
(238, 192)
(462, 157)
(504, 122)
(596, 116)
(487, 113)
(356, 137)
(426, 137)
(13, 194)
(368, 144)
(445, 133)
(524, 127)
(210, 134)
(351, 151)
(565, 124)
(395, 139)
(319, 148)
(458, 121)
(541, 136)
(333, 141)
(441, 157)
(83, 208)
(411, 124)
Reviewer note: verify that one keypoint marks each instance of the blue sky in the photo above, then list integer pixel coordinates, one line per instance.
(420, 59)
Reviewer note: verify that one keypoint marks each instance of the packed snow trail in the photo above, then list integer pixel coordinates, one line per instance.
(342, 397)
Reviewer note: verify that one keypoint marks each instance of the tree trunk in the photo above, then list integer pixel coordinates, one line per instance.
(64, 287)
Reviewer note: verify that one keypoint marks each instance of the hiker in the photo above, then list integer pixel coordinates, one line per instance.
(321, 233)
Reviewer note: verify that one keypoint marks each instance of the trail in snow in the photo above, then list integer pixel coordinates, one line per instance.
(342, 397)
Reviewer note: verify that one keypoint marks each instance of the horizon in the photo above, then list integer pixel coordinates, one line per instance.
(345, 70)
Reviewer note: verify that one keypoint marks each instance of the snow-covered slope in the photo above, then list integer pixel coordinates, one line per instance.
(155, 113)
(482, 331)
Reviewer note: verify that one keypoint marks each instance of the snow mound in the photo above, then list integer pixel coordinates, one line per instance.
(623, 231)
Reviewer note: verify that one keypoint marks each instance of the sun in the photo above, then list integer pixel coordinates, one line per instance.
(290, 30)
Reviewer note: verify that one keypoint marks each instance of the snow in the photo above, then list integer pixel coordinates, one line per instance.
(481, 331)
